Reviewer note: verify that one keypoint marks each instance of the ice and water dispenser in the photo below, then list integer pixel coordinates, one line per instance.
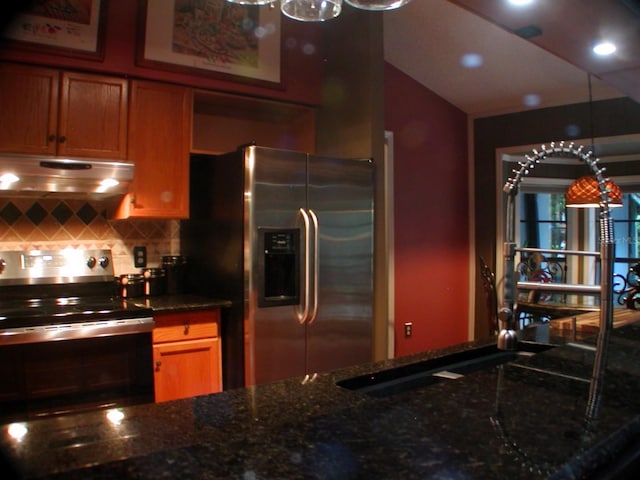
(278, 267)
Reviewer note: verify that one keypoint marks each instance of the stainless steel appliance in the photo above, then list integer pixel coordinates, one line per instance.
(67, 342)
(38, 176)
(288, 238)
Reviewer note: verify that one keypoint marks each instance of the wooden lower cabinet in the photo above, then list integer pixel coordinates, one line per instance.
(187, 354)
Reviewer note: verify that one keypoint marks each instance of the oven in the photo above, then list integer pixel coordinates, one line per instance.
(68, 342)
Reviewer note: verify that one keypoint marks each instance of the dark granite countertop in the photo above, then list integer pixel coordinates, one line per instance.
(503, 422)
(179, 303)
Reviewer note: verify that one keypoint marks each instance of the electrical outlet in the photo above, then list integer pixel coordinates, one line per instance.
(408, 329)
(140, 257)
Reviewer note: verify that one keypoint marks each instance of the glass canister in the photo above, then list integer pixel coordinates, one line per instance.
(176, 269)
(155, 281)
(131, 285)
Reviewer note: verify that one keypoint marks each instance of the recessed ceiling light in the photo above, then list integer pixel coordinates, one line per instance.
(471, 60)
(520, 3)
(604, 48)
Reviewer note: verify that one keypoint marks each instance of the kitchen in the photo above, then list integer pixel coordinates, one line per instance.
(335, 133)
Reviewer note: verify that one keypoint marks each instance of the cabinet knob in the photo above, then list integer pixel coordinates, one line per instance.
(186, 328)
(62, 139)
(51, 137)
(158, 363)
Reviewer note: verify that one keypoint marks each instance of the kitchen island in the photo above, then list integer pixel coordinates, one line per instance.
(525, 419)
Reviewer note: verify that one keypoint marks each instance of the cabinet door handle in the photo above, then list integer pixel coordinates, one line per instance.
(62, 139)
(186, 328)
(158, 363)
(51, 137)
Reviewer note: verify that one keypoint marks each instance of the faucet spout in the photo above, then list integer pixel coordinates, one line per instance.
(508, 335)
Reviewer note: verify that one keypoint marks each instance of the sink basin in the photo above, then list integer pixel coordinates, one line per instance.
(427, 372)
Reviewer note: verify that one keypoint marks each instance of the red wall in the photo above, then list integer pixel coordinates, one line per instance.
(301, 60)
(431, 215)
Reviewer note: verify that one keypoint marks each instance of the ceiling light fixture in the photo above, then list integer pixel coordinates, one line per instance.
(321, 10)
(251, 2)
(377, 5)
(520, 3)
(604, 48)
(311, 10)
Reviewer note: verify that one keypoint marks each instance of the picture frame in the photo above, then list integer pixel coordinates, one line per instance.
(60, 27)
(213, 38)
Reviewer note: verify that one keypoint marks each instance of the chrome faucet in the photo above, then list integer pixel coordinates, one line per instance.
(508, 338)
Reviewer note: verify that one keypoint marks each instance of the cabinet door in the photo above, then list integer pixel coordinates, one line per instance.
(159, 143)
(93, 116)
(28, 109)
(186, 369)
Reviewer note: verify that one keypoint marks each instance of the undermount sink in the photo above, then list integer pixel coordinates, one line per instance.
(427, 372)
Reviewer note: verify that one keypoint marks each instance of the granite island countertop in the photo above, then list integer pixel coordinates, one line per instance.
(518, 422)
(176, 303)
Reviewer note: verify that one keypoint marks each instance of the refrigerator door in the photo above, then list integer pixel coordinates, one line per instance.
(340, 332)
(275, 191)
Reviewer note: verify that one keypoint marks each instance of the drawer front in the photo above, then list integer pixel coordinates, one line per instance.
(172, 327)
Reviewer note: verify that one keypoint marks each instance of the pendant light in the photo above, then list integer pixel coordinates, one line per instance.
(585, 193)
(321, 10)
(377, 5)
(252, 2)
(311, 10)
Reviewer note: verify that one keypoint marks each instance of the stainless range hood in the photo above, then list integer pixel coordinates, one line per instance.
(34, 176)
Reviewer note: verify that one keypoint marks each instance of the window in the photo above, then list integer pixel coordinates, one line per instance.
(627, 233)
(543, 224)
(543, 221)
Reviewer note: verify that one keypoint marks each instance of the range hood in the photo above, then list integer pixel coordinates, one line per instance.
(29, 175)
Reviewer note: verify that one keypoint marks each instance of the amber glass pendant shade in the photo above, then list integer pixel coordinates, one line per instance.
(585, 193)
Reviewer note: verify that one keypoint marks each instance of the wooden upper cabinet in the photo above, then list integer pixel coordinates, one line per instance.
(47, 112)
(28, 109)
(93, 116)
(159, 143)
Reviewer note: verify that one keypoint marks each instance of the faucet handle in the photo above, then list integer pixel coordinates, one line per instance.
(504, 315)
(508, 337)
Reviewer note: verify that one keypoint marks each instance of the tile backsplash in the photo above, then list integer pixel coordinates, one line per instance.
(52, 224)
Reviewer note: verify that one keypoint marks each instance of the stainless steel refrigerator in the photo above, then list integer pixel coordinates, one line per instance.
(288, 238)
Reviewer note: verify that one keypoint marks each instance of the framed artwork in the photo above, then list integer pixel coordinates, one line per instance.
(211, 37)
(68, 27)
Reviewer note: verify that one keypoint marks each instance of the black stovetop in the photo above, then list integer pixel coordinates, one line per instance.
(20, 313)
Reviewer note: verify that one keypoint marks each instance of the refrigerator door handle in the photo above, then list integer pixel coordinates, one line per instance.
(304, 314)
(314, 310)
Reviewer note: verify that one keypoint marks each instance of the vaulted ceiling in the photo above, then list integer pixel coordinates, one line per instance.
(473, 53)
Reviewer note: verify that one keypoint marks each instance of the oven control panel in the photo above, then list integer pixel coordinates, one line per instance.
(55, 266)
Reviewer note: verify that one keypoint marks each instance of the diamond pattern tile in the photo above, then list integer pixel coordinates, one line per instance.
(36, 213)
(29, 224)
(62, 213)
(87, 213)
(10, 213)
